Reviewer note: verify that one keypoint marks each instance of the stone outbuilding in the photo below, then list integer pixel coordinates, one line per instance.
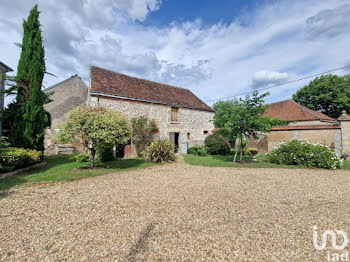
(180, 115)
(3, 70)
(65, 96)
(304, 123)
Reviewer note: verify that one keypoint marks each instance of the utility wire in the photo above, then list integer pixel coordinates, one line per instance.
(290, 82)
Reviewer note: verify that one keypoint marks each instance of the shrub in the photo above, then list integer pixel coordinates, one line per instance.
(160, 151)
(303, 153)
(105, 154)
(80, 158)
(143, 132)
(4, 142)
(217, 144)
(198, 150)
(14, 158)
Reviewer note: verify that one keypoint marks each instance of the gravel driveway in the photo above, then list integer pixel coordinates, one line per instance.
(176, 212)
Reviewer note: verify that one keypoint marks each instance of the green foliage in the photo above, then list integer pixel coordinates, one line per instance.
(143, 132)
(160, 151)
(15, 158)
(329, 94)
(4, 142)
(105, 154)
(303, 153)
(198, 150)
(96, 128)
(26, 117)
(217, 144)
(239, 118)
(82, 157)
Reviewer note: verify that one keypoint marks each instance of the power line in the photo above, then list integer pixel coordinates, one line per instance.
(285, 83)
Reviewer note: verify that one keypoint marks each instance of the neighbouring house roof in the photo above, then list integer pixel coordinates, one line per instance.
(307, 127)
(7, 68)
(59, 83)
(291, 111)
(111, 84)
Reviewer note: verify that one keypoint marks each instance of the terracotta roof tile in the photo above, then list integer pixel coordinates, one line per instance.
(106, 82)
(309, 127)
(292, 111)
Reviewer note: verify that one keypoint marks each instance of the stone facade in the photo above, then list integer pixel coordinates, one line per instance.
(197, 124)
(66, 96)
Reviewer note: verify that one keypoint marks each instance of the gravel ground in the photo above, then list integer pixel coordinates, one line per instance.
(176, 212)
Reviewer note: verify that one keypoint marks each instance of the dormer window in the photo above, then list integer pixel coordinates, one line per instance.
(174, 114)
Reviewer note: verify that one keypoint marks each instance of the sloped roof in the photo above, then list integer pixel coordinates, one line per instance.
(308, 127)
(104, 82)
(59, 83)
(7, 68)
(291, 111)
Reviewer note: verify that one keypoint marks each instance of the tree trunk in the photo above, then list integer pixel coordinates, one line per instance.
(92, 153)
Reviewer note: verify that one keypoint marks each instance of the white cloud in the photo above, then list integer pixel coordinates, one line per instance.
(262, 78)
(213, 61)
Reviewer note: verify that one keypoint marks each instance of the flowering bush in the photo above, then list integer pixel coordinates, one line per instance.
(303, 153)
(14, 158)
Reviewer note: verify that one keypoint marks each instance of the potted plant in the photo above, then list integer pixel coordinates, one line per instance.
(254, 152)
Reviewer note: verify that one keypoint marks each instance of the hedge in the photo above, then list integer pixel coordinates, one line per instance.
(15, 158)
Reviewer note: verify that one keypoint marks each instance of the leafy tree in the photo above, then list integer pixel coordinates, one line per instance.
(143, 132)
(26, 117)
(329, 94)
(238, 118)
(95, 128)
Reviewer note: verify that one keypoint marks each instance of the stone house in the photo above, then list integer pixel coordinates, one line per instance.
(65, 96)
(3, 70)
(180, 115)
(304, 123)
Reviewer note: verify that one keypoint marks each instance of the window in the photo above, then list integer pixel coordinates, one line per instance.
(174, 114)
(188, 136)
(205, 132)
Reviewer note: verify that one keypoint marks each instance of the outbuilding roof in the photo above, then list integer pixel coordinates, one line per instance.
(291, 111)
(7, 68)
(112, 84)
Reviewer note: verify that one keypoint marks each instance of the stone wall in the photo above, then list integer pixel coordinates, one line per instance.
(327, 137)
(66, 96)
(194, 122)
(345, 136)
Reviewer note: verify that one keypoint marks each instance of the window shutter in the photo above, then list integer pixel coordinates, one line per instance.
(174, 114)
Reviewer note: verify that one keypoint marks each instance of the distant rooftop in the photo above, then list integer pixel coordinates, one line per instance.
(7, 68)
(290, 110)
(59, 83)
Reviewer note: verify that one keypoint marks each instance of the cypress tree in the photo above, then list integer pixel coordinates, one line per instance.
(31, 119)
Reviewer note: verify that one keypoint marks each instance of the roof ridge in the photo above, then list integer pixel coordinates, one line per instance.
(116, 72)
(59, 83)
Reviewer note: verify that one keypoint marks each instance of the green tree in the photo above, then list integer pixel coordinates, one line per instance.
(143, 133)
(26, 116)
(95, 128)
(329, 94)
(239, 118)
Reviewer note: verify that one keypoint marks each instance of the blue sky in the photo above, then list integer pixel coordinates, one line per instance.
(209, 11)
(215, 48)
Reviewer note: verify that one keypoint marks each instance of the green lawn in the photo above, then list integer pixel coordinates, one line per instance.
(63, 168)
(226, 161)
